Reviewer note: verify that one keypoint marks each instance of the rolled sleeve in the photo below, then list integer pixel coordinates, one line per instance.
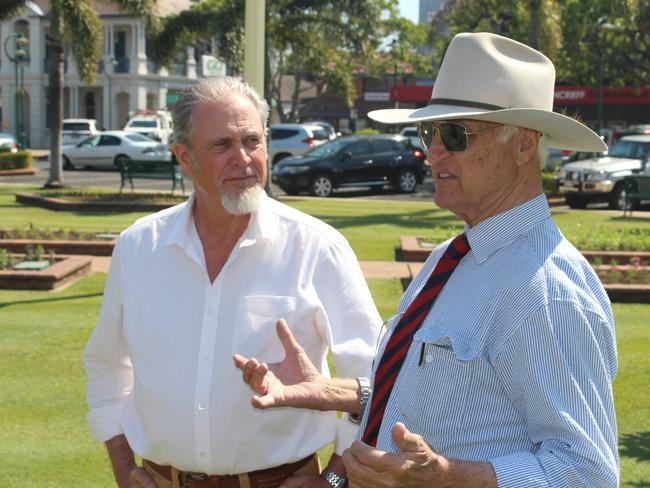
(519, 470)
(352, 322)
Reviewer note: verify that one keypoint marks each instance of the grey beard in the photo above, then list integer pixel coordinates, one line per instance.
(242, 203)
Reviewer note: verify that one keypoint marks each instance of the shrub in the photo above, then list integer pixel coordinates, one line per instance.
(17, 160)
(548, 184)
(368, 131)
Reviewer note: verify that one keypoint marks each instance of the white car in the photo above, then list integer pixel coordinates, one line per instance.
(412, 134)
(157, 125)
(8, 143)
(108, 148)
(294, 139)
(76, 130)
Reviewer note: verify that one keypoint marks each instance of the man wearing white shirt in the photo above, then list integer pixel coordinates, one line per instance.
(192, 284)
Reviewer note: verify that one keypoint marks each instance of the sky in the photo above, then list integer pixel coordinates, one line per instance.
(410, 9)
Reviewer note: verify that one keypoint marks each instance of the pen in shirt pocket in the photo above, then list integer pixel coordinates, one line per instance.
(421, 360)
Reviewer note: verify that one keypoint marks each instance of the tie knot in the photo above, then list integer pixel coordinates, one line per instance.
(458, 247)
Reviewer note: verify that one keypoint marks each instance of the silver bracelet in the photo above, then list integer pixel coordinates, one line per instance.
(334, 480)
(364, 395)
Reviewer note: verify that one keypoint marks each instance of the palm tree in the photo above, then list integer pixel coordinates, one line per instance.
(77, 23)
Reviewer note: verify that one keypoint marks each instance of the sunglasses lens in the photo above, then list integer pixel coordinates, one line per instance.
(426, 131)
(453, 136)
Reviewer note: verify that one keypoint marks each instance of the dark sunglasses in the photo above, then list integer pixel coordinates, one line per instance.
(452, 134)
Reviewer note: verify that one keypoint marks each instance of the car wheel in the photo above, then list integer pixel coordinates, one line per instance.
(575, 201)
(406, 181)
(617, 198)
(67, 164)
(120, 159)
(322, 186)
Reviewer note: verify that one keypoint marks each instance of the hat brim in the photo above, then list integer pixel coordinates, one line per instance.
(562, 132)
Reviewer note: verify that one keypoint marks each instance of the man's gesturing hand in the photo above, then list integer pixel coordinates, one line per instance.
(414, 465)
(293, 382)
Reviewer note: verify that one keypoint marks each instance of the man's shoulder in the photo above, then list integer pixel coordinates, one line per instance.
(152, 221)
(296, 221)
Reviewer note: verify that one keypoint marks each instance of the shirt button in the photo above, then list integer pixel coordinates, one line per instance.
(428, 358)
(201, 406)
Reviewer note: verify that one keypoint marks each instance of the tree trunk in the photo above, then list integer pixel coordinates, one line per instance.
(534, 26)
(55, 66)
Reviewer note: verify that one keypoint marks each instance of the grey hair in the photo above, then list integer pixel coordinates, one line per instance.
(211, 91)
(506, 133)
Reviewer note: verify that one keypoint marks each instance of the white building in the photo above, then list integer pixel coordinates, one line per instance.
(126, 79)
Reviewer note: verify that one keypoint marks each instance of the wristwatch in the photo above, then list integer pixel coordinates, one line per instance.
(335, 480)
(364, 395)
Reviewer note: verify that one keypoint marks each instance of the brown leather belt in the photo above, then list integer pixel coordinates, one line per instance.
(263, 478)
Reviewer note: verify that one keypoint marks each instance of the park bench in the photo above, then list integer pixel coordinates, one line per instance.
(150, 169)
(637, 188)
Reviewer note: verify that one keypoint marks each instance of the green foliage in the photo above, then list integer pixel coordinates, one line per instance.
(10, 8)
(17, 160)
(5, 258)
(567, 31)
(367, 131)
(548, 184)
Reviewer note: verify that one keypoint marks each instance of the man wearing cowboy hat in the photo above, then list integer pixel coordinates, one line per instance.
(498, 368)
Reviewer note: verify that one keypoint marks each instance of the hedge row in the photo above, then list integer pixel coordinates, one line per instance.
(16, 160)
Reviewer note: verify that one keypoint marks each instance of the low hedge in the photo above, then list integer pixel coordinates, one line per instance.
(16, 160)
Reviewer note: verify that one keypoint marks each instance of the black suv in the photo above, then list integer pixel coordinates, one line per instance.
(372, 161)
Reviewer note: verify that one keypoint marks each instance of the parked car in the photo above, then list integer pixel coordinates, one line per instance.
(75, 130)
(632, 130)
(559, 157)
(294, 139)
(155, 124)
(367, 161)
(109, 148)
(8, 143)
(412, 134)
(601, 178)
(326, 126)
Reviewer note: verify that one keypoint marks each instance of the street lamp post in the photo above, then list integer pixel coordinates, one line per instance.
(19, 57)
(602, 25)
(113, 62)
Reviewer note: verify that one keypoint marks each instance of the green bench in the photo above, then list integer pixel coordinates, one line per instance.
(150, 169)
(637, 188)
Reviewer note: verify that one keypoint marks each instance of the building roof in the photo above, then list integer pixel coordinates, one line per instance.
(163, 8)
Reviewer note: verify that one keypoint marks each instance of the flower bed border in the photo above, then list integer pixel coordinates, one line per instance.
(64, 271)
(60, 246)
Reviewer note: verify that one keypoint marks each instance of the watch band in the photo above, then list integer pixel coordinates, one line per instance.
(335, 480)
(364, 395)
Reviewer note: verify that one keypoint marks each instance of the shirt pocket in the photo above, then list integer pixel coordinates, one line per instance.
(255, 334)
(433, 392)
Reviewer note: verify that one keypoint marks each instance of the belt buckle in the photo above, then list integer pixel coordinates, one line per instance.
(186, 476)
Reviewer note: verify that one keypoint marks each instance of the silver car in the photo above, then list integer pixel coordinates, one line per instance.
(8, 143)
(107, 149)
(294, 139)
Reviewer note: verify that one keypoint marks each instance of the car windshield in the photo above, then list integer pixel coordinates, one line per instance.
(328, 149)
(76, 126)
(629, 149)
(135, 137)
(410, 133)
(143, 123)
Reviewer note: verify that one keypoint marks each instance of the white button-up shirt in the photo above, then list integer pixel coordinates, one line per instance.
(159, 362)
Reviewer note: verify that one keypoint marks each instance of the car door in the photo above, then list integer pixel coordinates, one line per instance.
(85, 153)
(386, 156)
(107, 148)
(354, 163)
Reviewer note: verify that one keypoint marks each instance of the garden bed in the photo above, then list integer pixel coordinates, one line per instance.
(625, 274)
(64, 271)
(58, 241)
(99, 201)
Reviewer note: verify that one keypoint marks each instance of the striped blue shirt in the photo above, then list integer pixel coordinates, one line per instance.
(515, 361)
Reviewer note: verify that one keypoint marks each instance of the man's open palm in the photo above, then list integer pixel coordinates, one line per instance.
(292, 382)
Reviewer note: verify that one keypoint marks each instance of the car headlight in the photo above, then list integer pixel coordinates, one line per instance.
(600, 176)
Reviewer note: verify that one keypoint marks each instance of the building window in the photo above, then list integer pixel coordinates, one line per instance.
(89, 101)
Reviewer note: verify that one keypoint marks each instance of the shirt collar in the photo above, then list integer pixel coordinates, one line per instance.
(262, 225)
(498, 231)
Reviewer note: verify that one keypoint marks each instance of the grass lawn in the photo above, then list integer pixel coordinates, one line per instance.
(44, 441)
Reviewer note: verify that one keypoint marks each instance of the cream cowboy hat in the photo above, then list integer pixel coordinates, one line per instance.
(484, 76)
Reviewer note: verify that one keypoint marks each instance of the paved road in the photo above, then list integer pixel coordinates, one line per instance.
(111, 179)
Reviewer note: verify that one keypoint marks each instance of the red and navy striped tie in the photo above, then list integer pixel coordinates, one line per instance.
(402, 337)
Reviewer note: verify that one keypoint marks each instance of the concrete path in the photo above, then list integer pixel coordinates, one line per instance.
(371, 269)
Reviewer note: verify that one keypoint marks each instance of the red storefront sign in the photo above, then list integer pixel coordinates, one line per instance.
(564, 95)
